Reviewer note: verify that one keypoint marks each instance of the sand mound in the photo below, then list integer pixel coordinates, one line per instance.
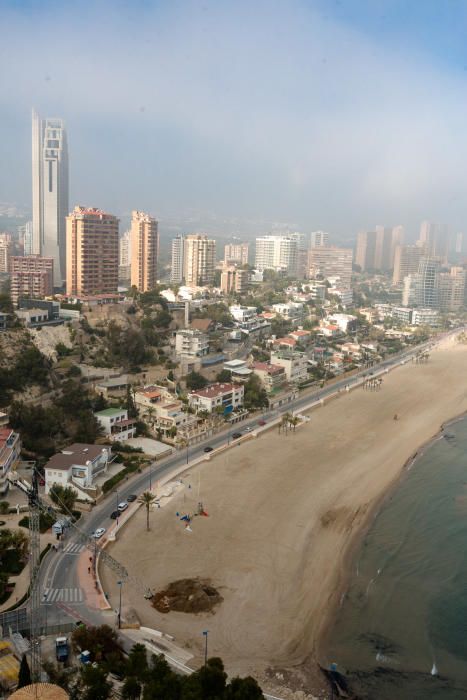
(190, 595)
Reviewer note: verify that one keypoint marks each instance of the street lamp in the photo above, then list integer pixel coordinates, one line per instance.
(120, 583)
(205, 634)
(150, 477)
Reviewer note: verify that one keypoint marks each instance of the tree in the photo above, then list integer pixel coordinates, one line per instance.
(243, 689)
(137, 662)
(24, 677)
(195, 381)
(162, 682)
(64, 497)
(255, 394)
(223, 376)
(130, 403)
(95, 683)
(146, 499)
(131, 689)
(100, 641)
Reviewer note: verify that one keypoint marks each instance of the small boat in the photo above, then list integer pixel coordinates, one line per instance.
(434, 670)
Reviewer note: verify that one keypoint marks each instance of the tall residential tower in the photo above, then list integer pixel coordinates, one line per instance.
(144, 251)
(50, 192)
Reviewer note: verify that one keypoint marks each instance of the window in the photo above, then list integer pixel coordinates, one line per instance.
(50, 176)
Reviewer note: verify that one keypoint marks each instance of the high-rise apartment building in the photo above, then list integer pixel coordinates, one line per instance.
(422, 288)
(6, 246)
(234, 280)
(31, 276)
(178, 248)
(451, 289)
(383, 248)
(50, 192)
(319, 239)
(406, 261)
(302, 252)
(280, 253)
(124, 249)
(92, 252)
(435, 238)
(25, 237)
(236, 253)
(144, 251)
(366, 249)
(199, 260)
(331, 262)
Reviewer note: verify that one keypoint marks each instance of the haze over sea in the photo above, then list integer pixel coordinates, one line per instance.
(402, 629)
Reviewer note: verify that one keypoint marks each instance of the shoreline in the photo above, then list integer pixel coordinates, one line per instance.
(353, 547)
(287, 521)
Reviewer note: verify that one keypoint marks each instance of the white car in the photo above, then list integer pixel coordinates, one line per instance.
(99, 532)
(122, 506)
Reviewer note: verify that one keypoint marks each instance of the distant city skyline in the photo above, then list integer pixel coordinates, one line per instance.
(361, 121)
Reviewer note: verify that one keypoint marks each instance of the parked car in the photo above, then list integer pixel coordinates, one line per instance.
(115, 514)
(235, 436)
(261, 422)
(208, 449)
(131, 498)
(248, 430)
(98, 533)
(122, 506)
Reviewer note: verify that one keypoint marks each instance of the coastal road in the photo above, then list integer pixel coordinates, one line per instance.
(64, 599)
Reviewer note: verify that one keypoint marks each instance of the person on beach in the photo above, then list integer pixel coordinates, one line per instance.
(396, 417)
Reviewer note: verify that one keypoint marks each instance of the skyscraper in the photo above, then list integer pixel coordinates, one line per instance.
(331, 262)
(6, 246)
(199, 260)
(422, 288)
(280, 253)
(176, 273)
(50, 192)
(236, 253)
(92, 252)
(26, 238)
(435, 237)
(234, 280)
(406, 261)
(452, 289)
(366, 249)
(319, 239)
(144, 251)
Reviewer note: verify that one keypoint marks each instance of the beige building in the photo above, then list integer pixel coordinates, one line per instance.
(236, 253)
(91, 252)
(451, 289)
(199, 260)
(31, 276)
(366, 249)
(5, 251)
(144, 251)
(234, 280)
(331, 262)
(406, 261)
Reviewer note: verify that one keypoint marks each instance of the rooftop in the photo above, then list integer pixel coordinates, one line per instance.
(110, 412)
(215, 390)
(78, 453)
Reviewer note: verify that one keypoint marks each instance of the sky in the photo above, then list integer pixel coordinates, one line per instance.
(334, 115)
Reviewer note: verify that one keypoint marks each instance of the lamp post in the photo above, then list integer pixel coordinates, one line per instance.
(150, 476)
(120, 584)
(205, 634)
(187, 446)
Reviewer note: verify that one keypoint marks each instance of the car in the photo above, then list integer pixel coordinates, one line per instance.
(235, 436)
(115, 514)
(208, 449)
(248, 430)
(122, 506)
(98, 533)
(261, 422)
(131, 498)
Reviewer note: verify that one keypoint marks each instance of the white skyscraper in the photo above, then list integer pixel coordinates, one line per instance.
(176, 274)
(25, 237)
(50, 192)
(279, 253)
(319, 239)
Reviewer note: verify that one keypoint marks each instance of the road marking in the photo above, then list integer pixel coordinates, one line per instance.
(63, 595)
(73, 548)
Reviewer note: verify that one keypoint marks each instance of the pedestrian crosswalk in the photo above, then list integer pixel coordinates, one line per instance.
(73, 548)
(62, 595)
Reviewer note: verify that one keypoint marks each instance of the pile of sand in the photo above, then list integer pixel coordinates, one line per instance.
(189, 595)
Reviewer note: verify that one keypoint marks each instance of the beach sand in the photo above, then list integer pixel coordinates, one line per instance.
(284, 512)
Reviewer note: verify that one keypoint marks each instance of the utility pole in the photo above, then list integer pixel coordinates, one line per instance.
(34, 564)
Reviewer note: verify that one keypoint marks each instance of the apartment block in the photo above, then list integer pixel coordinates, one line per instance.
(92, 252)
(6, 246)
(10, 449)
(191, 343)
(406, 261)
(199, 260)
(236, 253)
(331, 262)
(234, 280)
(144, 251)
(451, 289)
(295, 364)
(319, 239)
(280, 253)
(31, 276)
(178, 248)
(224, 397)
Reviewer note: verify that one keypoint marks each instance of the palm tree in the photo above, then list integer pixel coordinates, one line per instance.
(146, 499)
(294, 421)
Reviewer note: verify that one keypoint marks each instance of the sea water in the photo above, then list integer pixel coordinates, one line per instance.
(401, 630)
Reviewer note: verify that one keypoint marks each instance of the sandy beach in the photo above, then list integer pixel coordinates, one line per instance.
(284, 512)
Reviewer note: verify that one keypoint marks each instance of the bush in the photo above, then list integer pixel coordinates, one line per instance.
(4, 507)
(45, 522)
